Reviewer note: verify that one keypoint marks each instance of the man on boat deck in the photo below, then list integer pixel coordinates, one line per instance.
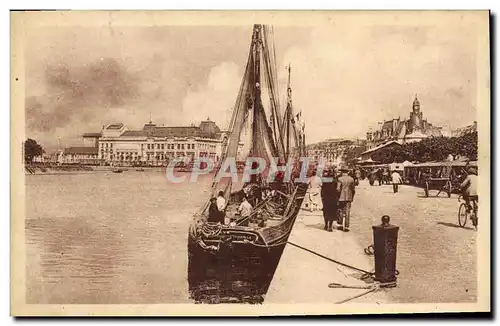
(245, 208)
(221, 205)
(214, 215)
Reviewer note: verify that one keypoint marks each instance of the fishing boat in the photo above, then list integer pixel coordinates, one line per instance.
(115, 169)
(235, 261)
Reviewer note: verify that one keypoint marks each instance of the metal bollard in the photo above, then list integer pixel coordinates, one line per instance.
(385, 242)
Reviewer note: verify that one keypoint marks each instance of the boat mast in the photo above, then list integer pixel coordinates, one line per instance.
(256, 85)
(269, 61)
(288, 112)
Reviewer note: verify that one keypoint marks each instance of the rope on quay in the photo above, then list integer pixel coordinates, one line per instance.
(369, 288)
(372, 289)
(366, 273)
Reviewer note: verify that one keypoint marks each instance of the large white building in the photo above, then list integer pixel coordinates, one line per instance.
(333, 151)
(156, 145)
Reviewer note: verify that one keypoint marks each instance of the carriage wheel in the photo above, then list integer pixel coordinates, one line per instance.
(426, 189)
(462, 215)
(449, 189)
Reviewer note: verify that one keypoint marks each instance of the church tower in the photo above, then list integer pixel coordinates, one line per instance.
(416, 116)
(416, 105)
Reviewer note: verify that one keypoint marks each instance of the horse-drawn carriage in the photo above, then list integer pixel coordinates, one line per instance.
(441, 176)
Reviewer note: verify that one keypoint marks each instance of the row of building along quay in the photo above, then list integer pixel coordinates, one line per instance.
(394, 131)
(154, 145)
(116, 144)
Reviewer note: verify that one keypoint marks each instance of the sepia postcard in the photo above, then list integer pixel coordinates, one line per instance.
(239, 163)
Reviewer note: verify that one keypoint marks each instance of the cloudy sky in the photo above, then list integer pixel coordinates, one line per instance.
(346, 76)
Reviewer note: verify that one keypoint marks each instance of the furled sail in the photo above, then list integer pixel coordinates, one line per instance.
(272, 132)
(260, 72)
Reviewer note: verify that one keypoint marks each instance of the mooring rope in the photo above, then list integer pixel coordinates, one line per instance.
(332, 260)
(372, 289)
(369, 288)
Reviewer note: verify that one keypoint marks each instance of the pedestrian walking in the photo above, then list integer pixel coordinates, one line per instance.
(352, 174)
(329, 199)
(346, 190)
(379, 176)
(357, 174)
(372, 177)
(314, 191)
(396, 180)
(385, 176)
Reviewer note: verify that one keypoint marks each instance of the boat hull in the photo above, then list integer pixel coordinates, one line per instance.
(241, 273)
(238, 270)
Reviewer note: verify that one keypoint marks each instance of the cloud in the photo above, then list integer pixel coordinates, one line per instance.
(79, 78)
(216, 98)
(345, 80)
(345, 76)
(78, 95)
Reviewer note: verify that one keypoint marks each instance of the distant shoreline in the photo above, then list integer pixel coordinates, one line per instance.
(41, 169)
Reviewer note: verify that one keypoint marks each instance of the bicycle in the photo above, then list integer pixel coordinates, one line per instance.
(464, 213)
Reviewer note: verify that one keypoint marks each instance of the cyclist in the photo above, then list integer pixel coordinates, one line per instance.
(469, 187)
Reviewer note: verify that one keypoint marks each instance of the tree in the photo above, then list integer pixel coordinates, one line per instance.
(353, 152)
(467, 146)
(31, 150)
(386, 155)
(430, 149)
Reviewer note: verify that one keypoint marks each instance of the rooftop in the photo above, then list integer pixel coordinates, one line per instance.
(115, 126)
(206, 129)
(392, 142)
(92, 134)
(134, 133)
(80, 150)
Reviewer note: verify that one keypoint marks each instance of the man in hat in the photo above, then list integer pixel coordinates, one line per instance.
(469, 187)
(346, 189)
(396, 180)
(329, 199)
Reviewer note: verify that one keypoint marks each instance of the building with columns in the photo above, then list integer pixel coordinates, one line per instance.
(156, 145)
(413, 129)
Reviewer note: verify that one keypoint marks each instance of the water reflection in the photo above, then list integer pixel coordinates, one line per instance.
(108, 238)
(239, 276)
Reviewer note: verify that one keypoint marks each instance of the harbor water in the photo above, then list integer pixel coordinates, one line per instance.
(109, 237)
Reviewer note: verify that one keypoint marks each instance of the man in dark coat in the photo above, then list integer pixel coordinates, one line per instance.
(380, 176)
(329, 200)
(214, 215)
(346, 189)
